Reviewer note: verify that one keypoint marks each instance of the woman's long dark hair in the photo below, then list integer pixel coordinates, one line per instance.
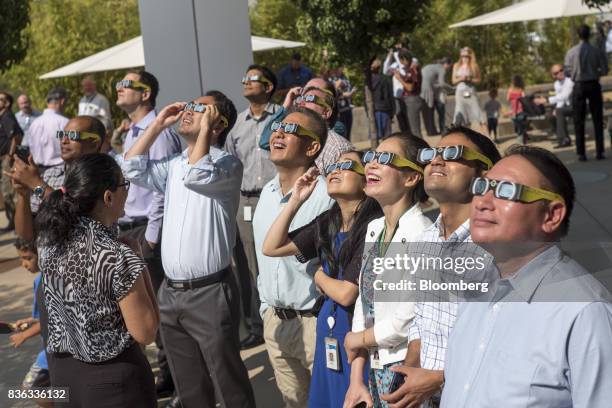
(85, 182)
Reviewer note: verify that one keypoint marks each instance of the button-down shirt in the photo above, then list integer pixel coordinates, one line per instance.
(586, 62)
(288, 78)
(200, 206)
(141, 201)
(44, 145)
(25, 121)
(9, 128)
(96, 105)
(525, 349)
(52, 177)
(286, 282)
(243, 142)
(563, 93)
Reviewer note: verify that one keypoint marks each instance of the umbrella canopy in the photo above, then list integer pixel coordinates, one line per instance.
(130, 54)
(529, 10)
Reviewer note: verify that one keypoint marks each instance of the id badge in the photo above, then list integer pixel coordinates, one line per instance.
(332, 355)
(248, 213)
(375, 360)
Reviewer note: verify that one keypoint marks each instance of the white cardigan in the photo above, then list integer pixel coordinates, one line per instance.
(392, 319)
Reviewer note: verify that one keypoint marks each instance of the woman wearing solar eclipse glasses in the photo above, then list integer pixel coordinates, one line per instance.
(335, 236)
(380, 329)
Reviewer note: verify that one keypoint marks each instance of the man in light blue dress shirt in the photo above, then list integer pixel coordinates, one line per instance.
(198, 300)
(543, 336)
(286, 286)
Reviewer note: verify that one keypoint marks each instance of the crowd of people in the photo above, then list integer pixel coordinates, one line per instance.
(193, 220)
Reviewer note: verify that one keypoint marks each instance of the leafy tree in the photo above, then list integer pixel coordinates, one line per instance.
(14, 18)
(597, 3)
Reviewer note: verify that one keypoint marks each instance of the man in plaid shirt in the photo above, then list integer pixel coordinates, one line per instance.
(448, 182)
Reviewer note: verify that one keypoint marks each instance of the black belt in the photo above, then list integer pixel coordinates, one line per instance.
(286, 314)
(137, 222)
(249, 194)
(198, 282)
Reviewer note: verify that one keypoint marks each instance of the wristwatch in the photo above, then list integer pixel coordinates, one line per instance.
(39, 192)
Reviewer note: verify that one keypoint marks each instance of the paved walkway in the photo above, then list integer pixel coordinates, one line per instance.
(591, 223)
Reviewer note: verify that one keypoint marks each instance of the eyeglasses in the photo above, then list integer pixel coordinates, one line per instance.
(345, 165)
(302, 99)
(294, 129)
(201, 108)
(388, 158)
(132, 84)
(256, 78)
(126, 183)
(509, 190)
(75, 135)
(452, 153)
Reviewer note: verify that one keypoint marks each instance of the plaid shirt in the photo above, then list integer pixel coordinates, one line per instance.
(335, 145)
(53, 177)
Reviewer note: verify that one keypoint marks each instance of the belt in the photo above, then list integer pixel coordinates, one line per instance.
(198, 282)
(249, 194)
(137, 222)
(286, 314)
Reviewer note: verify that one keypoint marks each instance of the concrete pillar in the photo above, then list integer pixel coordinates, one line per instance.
(195, 45)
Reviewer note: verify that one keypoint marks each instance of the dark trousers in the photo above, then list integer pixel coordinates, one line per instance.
(383, 124)
(402, 115)
(428, 119)
(245, 270)
(492, 127)
(414, 105)
(156, 271)
(125, 381)
(588, 91)
(200, 332)
(440, 107)
(346, 117)
(559, 122)
(8, 194)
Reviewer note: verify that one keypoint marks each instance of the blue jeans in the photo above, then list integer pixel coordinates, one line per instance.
(383, 124)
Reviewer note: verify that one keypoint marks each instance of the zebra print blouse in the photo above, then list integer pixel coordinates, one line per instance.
(84, 281)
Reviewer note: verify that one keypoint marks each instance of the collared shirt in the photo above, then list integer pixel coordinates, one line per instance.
(96, 105)
(522, 348)
(200, 205)
(289, 78)
(141, 201)
(44, 145)
(25, 121)
(9, 128)
(285, 282)
(563, 93)
(53, 177)
(243, 142)
(586, 62)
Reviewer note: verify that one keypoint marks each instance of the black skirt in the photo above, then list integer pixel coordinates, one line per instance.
(124, 381)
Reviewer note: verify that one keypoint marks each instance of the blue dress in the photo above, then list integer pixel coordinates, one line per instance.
(328, 387)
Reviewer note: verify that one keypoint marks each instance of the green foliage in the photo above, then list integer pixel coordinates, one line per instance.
(62, 32)
(14, 17)
(597, 3)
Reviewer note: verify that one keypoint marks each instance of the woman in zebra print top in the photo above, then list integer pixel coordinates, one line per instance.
(97, 292)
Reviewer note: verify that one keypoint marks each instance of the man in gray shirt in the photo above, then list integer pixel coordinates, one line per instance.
(586, 64)
(433, 93)
(541, 338)
(243, 142)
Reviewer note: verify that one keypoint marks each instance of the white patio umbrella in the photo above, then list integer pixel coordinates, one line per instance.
(529, 10)
(130, 54)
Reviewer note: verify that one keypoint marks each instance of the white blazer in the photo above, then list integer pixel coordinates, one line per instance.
(391, 319)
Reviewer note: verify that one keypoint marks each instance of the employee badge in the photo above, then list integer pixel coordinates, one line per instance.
(332, 354)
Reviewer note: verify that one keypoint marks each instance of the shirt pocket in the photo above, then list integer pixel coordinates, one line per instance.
(509, 381)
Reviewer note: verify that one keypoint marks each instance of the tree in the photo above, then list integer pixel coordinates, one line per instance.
(597, 3)
(354, 31)
(14, 18)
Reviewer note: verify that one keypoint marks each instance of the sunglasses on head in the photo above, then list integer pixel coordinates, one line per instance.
(256, 78)
(452, 153)
(345, 165)
(294, 129)
(390, 159)
(302, 99)
(201, 108)
(509, 190)
(75, 135)
(132, 84)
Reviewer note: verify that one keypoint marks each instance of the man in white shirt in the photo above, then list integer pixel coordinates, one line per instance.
(398, 61)
(25, 116)
(199, 306)
(44, 145)
(94, 103)
(562, 103)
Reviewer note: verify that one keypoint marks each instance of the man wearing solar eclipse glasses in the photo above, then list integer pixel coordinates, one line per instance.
(258, 84)
(198, 300)
(546, 328)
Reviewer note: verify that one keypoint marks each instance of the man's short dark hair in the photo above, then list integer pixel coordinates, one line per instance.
(405, 54)
(226, 108)
(57, 94)
(557, 176)
(9, 98)
(445, 60)
(482, 142)
(95, 126)
(267, 73)
(296, 56)
(584, 32)
(25, 245)
(319, 127)
(149, 79)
